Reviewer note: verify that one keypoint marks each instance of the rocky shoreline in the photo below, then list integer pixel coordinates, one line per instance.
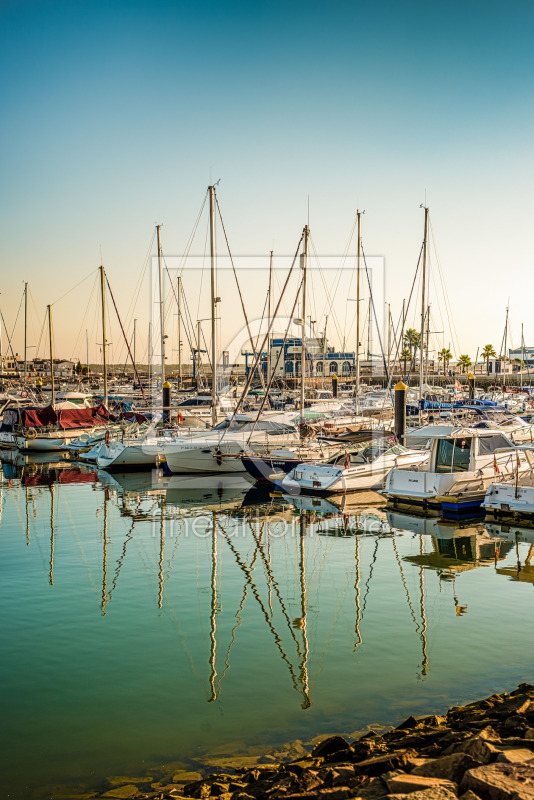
(481, 751)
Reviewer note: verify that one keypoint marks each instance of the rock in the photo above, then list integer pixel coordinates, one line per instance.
(122, 792)
(266, 759)
(184, 776)
(515, 756)
(432, 721)
(417, 761)
(329, 746)
(411, 722)
(516, 705)
(385, 763)
(434, 793)
(529, 733)
(501, 781)
(469, 795)
(482, 747)
(451, 767)
(121, 780)
(406, 784)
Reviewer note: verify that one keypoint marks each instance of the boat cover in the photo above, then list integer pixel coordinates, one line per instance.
(65, 418)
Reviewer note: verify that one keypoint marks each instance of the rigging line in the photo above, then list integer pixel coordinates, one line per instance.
(405, 585)
(268, 333)
(10, 345)
(376, 319)
(448, 307)
(273, 371)
(73, 288)
(88, 305)
(202, 270)
(16, 318)
(137, 289)
(239, 290)
(185, 321)
(330, 299)
(127, 345)
(404, 316)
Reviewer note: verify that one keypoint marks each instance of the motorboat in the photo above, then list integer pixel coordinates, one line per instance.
(462, 464)
(363, 467)
(511, 496)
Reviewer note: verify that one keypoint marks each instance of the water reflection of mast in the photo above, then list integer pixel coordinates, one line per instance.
(52, 521)
(27, 519)
(357, 591)
(424, 664)
(301, 623)
(161, 555)
(105, 555)
(268, 620)
(213, 621)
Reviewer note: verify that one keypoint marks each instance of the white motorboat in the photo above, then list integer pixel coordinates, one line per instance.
(462, 464)
(363, 467)
(512, 495)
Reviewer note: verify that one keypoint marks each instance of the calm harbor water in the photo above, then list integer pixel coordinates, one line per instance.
(148, 619)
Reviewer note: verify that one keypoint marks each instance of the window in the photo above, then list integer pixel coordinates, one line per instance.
(333, 367)
(453, 455)
(346, 368)
(319, 368)
(488, 444)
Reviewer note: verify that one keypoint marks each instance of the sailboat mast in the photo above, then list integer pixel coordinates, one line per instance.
(303, 264)
(213, 309)
(269, 318)
(522, 355)
(25, 330)
(179, 292)
(423, 308)
(161, 320)
(51, 344)
(104, 356)
(503, 370)
(358, 299)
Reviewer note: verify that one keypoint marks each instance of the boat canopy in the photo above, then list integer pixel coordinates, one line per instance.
(65, 418)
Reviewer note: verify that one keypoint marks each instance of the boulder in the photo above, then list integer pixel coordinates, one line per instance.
(483, 747)
(451, 767)
(122, 792)
(408, 783)
(122, 780)
(515, 756)
(329, 746)
(398, 759)
(501, 781)
(184, 776)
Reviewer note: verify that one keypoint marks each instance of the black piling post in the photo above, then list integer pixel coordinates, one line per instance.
(167, 401)
(400, 411)
(471, 379)
(334, 385)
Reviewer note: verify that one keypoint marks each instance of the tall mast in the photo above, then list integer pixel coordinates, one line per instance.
(503, 370)
(358, 298)
(324, 349)
(522, 355)
(87, 351)
(161, 320)
(423, 307)
(104, 356)
(269, 318)
(179, 290)
(51, 354)
(25, 329)
(303, 265)
(213, 309)
(134, 339)
(149, 366)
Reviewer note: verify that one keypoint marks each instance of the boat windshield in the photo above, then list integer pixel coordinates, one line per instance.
(453, 455)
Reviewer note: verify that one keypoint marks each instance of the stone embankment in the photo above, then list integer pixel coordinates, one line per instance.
(482, 751)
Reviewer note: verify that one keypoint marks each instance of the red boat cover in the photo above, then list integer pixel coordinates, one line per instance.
(65, 417)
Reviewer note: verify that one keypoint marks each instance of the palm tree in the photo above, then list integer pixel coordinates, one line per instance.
(445, 355)
(404, 356)
(465, 362)
(487, 353)
(411, 339)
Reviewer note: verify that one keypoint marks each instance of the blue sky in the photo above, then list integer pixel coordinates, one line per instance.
(118, 115)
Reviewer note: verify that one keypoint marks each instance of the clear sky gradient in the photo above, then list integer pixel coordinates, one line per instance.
(117, 115)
